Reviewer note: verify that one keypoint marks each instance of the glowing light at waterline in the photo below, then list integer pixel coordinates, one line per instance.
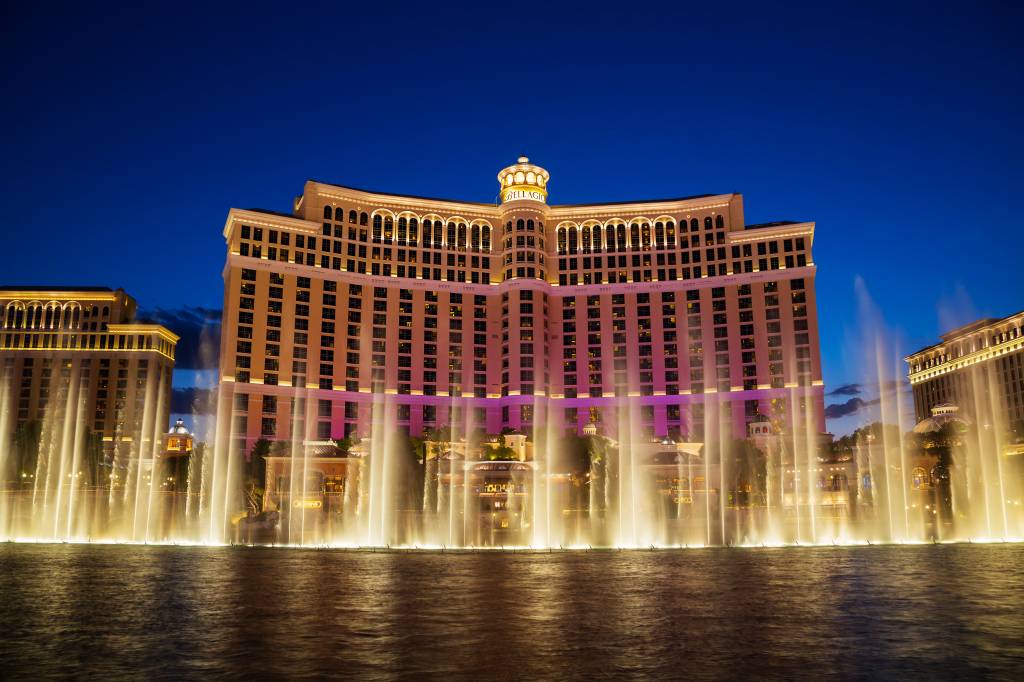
(524, 492)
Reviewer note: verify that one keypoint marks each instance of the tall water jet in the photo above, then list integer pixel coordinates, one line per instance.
(224, 477)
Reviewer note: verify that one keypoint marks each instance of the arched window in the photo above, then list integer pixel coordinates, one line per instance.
(438, 229)
(609, 237)
(403, 231)
(414, 233)
(487, 237)
(75, 317)
(659, 235)
(620, 236)
(529, 226)
(585, 239)
(378, 228)
(352, 217)
(451, 235)
(428, 236)
(707, 223)
(462, 236)
(694, 225)
(474, 237)
(520, 225)
(561, 240)
(573, 240)
(389, 229)
(328, 212)
(634, 236)
(363, 219)
(596, 229)
(645, 235)
(339, 215)
(670, 230)
(719, 222)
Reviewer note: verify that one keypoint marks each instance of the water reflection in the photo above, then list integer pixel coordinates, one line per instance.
(183, 612)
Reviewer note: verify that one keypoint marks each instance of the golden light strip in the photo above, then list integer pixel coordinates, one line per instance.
(59, 295)
(964, 361)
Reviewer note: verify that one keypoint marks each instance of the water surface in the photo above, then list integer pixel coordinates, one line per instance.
(913, 612)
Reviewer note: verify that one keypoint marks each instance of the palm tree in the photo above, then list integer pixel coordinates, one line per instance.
(749, 468)
(256, 473)
(26, 450)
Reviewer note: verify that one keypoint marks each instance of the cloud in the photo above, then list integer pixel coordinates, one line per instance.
(851, 406)
(199, 329)
(847, 389)
(193, 401)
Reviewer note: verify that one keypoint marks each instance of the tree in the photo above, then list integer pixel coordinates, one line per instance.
(346, 444)
(418, 449)
(575, 454)
(257, 464)
(501, 453)
(26, 448)
(475, 437)
(749, 469)
(94, 456)
(442, 437)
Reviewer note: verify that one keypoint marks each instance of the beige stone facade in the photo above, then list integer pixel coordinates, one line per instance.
(83, 345)
(659, 315)
(986, 355)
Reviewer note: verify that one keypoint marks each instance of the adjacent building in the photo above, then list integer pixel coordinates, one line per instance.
(655, 314)
(81, 351)
(978, 368)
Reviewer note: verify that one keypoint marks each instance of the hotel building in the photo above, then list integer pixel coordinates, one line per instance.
(485, 314)
(50, 335)
(988, 355)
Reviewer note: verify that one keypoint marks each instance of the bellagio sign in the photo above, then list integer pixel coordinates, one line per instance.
(517, 194)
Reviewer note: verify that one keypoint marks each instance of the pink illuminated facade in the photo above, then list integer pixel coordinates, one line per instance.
(670, 317)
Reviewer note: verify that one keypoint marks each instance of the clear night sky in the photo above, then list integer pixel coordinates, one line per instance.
(897, 128)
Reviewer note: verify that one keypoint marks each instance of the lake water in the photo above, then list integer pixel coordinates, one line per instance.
(911, 612)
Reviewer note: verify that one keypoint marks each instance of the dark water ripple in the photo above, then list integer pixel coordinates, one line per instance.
(912, 612)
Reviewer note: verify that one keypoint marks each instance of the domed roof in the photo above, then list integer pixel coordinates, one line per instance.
(523, 180)
(942, 414)
(179, 429)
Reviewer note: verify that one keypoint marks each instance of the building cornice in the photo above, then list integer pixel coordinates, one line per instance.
(59, 295)
(566, 211)
(987, 352)
(762, 233)
(249, 217)
(143, 328)
(401, 202)
(633, 208)
(982, 355)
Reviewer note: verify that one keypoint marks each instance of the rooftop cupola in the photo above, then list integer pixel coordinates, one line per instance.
(523, 181)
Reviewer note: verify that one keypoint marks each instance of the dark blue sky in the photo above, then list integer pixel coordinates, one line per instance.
(129, 133)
